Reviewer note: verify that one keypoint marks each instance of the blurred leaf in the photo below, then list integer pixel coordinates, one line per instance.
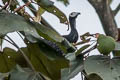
(19, 73)
(105, 44)
(10, 22)
(66, 2)
(40, 11)
(36, 61)
(7, 59)
(117, 46)
(82, 49)
(41, 62)
(48, 6)
(116, 51)
(106, 68)
(46, 3)
(76, 66)
(3, 76)
(48, 33)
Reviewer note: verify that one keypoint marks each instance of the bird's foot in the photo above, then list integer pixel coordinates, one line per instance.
(74, 44)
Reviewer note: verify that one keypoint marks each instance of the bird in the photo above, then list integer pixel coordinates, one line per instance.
(72, 37)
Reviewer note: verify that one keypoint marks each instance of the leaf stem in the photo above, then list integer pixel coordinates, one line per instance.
(20, 36)
(92, 48)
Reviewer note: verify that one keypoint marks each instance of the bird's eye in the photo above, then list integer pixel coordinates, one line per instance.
(72, 13)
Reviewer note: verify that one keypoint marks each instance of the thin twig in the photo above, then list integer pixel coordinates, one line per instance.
(82, 76)
(1, 6)
(5, 6)
(9, 3)
(92, 48)
(85, 75)
(9, 41)
(20, 36)
(26, 58)
(27, 4)
(116, 10)
(1, 44)
(32, 9)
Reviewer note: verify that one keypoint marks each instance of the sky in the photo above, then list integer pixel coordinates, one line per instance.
(88, 21)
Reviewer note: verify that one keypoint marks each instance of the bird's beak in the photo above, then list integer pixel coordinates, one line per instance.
(78, 13)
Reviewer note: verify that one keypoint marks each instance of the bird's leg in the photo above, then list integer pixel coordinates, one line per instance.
(74, 44)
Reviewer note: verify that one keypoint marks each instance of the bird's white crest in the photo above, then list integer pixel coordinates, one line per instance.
(73, 14)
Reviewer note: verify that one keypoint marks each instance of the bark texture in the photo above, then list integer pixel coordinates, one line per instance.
(106, 17)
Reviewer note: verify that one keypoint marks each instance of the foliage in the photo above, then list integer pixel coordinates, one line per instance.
(106, 44)
(47, 55)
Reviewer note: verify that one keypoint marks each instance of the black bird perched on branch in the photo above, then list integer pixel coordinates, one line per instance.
(72, 37)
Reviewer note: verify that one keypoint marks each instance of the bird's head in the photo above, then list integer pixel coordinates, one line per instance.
(74, 14)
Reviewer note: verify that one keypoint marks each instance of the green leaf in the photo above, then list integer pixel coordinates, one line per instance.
(36, 60)
(45, 2)
(48, 6)
(106, 44)
(19, 73)
(106, 68)
(7, 59)
(48, 33)
(82, 49)
(93, 76)
(76, 66)
(117, 46)
(42, 63)
(10, 22)
(116, 51)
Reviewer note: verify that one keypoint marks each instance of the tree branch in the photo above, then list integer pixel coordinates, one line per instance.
(116, 10)
(106, 17)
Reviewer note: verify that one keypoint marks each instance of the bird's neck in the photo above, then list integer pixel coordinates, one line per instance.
(72, 24)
